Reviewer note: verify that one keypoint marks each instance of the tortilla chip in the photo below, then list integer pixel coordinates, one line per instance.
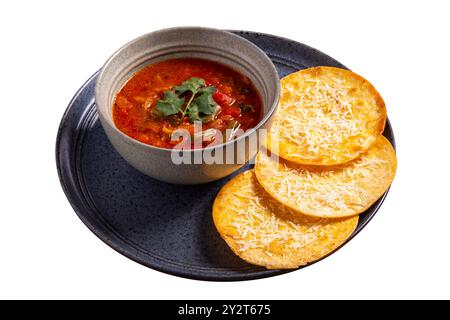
(263, 232)
(330, 191)
(326, 116)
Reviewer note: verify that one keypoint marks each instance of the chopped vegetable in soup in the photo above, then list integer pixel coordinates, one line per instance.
(182, 93)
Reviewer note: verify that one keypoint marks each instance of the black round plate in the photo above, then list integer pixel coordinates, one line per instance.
(163, 226)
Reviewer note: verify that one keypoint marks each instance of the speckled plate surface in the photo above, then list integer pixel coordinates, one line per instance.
(165, 227)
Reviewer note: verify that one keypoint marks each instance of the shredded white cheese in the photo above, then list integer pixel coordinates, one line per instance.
(320, 115)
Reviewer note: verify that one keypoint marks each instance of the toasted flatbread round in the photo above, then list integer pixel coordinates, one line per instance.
(326, 116)
(262, 231)
(330, 191)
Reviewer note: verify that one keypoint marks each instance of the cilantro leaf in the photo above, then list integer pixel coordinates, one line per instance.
(192, 85)
(209, 90)
(170, 104)
(194, 114)
(202, 106)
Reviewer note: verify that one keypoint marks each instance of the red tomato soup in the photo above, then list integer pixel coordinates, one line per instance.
(176, 94)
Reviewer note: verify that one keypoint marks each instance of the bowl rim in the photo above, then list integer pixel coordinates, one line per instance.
(266, 116)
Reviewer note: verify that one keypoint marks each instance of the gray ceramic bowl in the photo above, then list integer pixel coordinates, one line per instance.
(196, 42)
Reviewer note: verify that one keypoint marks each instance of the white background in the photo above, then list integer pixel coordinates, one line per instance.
(48, 49)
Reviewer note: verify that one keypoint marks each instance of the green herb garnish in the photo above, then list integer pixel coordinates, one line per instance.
(200, 105)
(192, 85)
(170, 104)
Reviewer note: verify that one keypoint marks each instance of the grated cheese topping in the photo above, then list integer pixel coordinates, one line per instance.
(258, 228)
(340, 190)
(324, 116)
(264, 225)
